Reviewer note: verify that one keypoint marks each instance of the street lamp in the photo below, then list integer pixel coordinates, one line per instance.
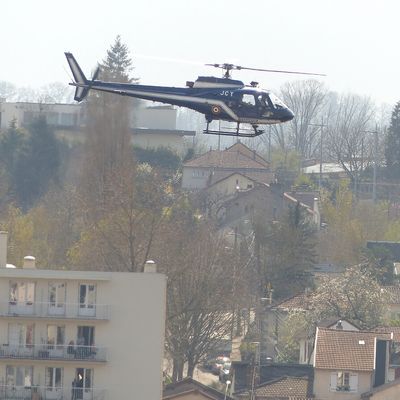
(227, 383)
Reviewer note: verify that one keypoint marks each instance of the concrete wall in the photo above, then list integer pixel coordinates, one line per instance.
(159, 117)
(195, 178)
(230, 186)
(323, 391)
(391, 392)
(133, 335)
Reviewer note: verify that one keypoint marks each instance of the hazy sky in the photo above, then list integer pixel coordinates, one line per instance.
(355, 42)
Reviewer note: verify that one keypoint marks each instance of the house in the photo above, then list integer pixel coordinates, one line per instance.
(152, 127)
(88, 334)
(284, 388)
(349, 363)
(388, 391)
(190, 389)
(206, 169)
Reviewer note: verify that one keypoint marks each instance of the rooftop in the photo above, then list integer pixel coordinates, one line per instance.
(190, 385)
(346, 350)
(285, 387)
(237, 156)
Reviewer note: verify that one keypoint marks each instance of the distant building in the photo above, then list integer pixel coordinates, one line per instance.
(215, 165)
(190, 389)
(349, 363)
(80, 334)
(152, 127)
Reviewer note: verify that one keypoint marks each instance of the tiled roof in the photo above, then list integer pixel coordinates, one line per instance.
(283, 388)
(299, 301)
(346, 350)
(241, 148)
(237, 156)
(306, 198)
(390, 329)
(189, 385)
(261, 177)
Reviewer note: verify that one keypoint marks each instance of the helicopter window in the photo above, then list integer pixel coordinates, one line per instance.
(278, 103)
(265, 101)
(249, 100)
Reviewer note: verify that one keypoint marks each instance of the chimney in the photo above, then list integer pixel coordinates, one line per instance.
(339, 325)
(29, 262)
(3, 249)
(150, 267)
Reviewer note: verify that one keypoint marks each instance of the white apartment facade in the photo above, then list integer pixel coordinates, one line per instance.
(80, 335)
(152, 127)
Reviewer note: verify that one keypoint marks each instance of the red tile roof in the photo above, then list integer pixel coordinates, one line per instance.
(241, 148)
(346, 350)
(287, 387)
(299, 301)
(395, 330)
(237, 156)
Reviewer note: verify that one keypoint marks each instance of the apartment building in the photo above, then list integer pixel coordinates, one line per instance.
(80, 335)
(152, 127)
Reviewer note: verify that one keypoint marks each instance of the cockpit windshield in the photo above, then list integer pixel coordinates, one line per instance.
(277, 102)
(264, 100)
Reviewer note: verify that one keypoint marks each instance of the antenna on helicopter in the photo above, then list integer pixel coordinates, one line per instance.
(229, 67)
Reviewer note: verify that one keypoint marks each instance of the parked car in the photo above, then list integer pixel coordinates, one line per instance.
(225, 371)
(218, 364)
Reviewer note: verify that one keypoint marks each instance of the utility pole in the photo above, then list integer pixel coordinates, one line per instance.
(375, 164)
(321, 126)
(375, 158)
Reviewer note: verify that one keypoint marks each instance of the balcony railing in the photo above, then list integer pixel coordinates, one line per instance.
(54, 352)
(55, 310)
(50, 393)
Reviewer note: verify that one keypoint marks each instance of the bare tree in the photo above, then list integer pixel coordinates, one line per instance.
(349, 139)
(201, 273)
(306, 99)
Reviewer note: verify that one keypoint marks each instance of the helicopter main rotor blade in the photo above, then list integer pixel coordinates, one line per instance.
(229, 67)
(280, 71)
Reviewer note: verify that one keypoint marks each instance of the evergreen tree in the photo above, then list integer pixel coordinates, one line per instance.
(116, 66)
(286, 252)
(392, 151)
(11, 146)
(38, 163)
(108, 132)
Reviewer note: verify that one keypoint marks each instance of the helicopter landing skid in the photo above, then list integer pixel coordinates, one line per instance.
(238, 132)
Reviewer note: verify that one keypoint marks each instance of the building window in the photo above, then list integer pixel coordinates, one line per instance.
(198, 173)
(55, 335)
(56, 294)
(87, 299)
(343, 381)
(84, 380)
(19, 376)
(22, 292)
(54, 378)
(20, 334)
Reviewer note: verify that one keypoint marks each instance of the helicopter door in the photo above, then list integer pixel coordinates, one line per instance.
(247, 106)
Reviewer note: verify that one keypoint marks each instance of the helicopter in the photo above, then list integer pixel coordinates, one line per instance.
(223, 99)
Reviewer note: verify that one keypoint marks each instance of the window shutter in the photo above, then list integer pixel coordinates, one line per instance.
(333, 381)
(353, 382)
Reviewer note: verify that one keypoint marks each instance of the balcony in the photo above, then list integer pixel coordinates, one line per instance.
(55, 310)
(53, 352)
(50, 393)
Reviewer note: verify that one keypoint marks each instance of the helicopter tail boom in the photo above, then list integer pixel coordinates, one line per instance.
(80, 81)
